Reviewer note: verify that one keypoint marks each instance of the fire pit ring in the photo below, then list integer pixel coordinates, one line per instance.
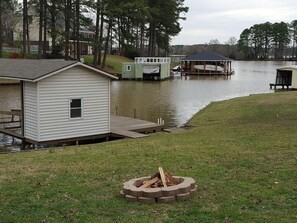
(133, 191)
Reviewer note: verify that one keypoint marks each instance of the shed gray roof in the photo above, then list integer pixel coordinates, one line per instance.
(33, 70)
(206, 56)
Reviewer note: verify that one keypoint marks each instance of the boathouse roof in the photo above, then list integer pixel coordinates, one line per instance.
(35, 70)
(206, 56)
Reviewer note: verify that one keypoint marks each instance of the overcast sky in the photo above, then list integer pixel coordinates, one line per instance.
(221, 19)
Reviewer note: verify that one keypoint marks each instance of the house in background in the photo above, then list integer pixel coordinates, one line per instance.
(61, 100)
(86, 36)
(33, 31)
(147, 68)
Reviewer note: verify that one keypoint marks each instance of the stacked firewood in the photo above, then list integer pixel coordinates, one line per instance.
(159, 179)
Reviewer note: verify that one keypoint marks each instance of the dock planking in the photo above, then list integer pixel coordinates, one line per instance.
(120, 126)
(131, 127)
(11, 133)
(7, 117)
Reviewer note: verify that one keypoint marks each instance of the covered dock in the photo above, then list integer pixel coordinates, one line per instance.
(206, 63)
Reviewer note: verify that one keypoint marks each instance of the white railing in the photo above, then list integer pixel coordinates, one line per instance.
(152, 60)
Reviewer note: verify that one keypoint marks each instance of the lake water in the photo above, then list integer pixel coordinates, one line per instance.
(175, 100)
(178, 99)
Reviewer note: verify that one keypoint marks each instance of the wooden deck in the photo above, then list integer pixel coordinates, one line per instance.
(120, 127)
(131, 127)
(11, 133)
(9, 116)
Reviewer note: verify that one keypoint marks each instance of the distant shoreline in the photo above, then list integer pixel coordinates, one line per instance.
(267, 60)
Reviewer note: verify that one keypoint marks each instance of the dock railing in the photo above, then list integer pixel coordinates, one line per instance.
(152, 60)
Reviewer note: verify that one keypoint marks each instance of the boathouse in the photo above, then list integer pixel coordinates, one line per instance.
(147, 68)
(286, 77)
(60, 99)
(206, 63)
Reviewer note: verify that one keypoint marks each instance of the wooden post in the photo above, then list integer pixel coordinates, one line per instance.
(22, 122)
(134, 112)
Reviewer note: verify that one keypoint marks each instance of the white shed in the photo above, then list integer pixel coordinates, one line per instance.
(287, 76)
(60, 99)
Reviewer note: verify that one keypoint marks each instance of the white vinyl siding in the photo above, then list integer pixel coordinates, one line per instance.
(30, 110)
(54, 94)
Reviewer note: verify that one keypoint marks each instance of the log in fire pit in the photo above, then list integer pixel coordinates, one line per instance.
(162, 187)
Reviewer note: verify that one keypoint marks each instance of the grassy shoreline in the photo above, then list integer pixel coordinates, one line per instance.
(242, 153)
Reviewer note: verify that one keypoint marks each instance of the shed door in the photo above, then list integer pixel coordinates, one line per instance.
(284, 77)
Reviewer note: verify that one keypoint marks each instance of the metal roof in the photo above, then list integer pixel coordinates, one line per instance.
(206, 56)
(35, 70)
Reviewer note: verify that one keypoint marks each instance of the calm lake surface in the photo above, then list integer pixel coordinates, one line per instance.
(175, 100)
(178, 99)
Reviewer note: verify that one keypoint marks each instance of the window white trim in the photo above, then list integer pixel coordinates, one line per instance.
(128, 68)
(81, 108)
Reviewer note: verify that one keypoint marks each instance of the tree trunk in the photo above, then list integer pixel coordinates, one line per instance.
(28, 36)
(95, 53)
(25, 19)
(53, 27)
(40, 27)
(119, 35)
(1, 30)
(67, 27)
(77, 30)
(106, 43)
(142, 40)
(152, 40)
(44, 29)
(100, 39)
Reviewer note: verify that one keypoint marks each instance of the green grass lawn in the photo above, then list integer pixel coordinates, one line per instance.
(113, 62)
(241, 152)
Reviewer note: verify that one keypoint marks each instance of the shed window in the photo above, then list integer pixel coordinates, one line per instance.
(76, 108)
(128, 68)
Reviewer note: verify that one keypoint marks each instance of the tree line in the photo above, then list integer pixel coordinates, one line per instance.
(263, 41)
(269, 41)
(133, 27)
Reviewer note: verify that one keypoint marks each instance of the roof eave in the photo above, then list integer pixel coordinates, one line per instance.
(73, 65)
(16, 79)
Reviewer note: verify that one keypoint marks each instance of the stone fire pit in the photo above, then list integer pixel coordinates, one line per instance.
(159, 188)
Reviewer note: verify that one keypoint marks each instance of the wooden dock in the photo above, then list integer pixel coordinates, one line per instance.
(7, 117)
(280, 85)
(123, 127)
(131, 127)
(11, 133)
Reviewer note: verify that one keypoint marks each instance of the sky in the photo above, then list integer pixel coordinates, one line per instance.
(221, 19)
